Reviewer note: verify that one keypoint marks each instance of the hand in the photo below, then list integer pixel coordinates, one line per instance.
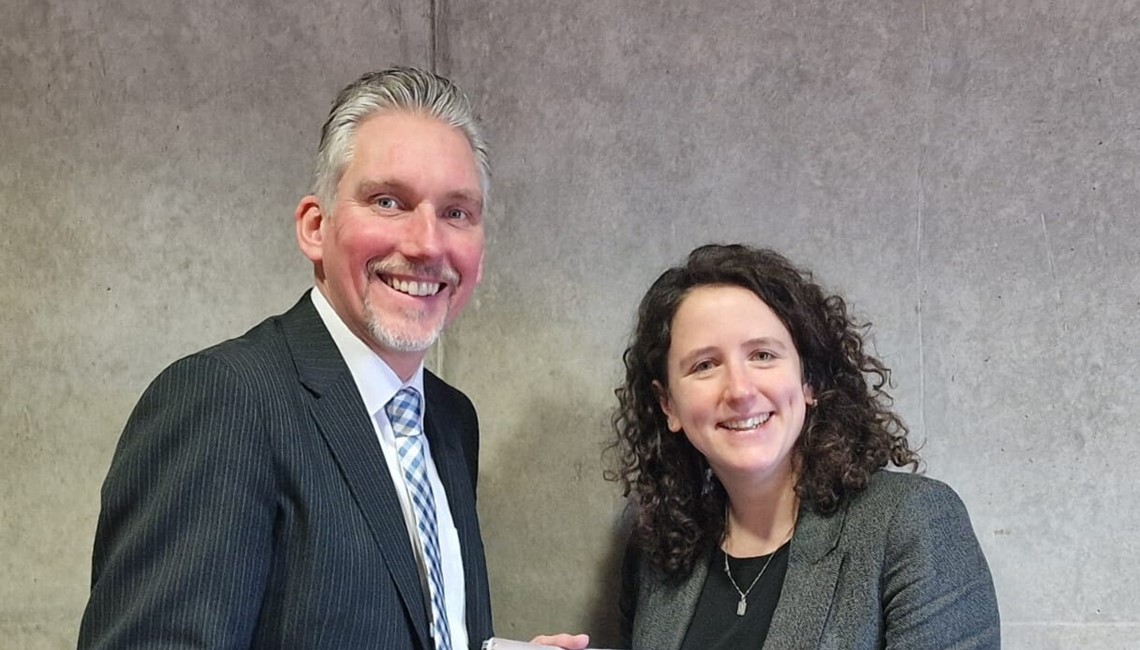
(564, 641)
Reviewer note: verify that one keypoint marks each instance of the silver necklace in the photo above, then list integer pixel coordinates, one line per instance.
(742, 606)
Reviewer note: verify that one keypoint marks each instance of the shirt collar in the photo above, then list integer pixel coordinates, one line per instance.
(375, 379)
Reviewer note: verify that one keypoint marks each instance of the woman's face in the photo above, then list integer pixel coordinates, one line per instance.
(736, 386)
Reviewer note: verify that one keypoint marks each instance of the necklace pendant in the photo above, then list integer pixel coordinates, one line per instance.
(741, 607)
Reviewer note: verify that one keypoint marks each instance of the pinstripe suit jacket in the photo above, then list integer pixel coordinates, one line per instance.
(898, 567)
(248, 506)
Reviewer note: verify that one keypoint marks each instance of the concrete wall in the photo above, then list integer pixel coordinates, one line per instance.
(965, 172)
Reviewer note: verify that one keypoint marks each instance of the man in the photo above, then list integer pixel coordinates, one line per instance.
(309, 484)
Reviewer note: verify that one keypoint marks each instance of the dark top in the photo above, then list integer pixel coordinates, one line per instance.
(715, 624)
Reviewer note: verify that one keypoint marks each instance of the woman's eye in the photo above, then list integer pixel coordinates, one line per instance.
(703, 366)
(763, 355)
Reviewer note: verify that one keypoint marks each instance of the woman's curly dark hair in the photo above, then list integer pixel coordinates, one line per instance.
(848, 434)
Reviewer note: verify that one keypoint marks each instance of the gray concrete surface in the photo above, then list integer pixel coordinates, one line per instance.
(965, 172)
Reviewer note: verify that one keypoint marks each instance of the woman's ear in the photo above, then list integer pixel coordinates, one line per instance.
(809, 395)
(666, 404)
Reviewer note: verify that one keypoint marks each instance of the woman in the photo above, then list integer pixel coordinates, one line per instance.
(753, 429)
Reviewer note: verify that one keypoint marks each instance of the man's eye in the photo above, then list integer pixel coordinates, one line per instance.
(387, 203)
(455, 214)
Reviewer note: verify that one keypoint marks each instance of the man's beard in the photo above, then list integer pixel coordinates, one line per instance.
(390, 336)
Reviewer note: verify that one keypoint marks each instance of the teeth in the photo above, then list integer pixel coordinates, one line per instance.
(413, 288)
(750, 423)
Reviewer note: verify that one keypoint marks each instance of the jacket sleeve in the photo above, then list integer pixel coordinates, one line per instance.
(185, 531)
(937, 588)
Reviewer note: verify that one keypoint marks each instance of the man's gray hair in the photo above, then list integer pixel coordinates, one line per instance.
(397, 89)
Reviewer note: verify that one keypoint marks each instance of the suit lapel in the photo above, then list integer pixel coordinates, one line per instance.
(806, 598)
(448, 458)
(447, 454)
(339, 413)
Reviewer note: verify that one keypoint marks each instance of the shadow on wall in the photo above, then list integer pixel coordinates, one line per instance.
(555, 530)
(603, 619)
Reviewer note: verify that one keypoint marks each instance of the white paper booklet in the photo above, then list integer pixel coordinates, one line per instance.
(507, 644)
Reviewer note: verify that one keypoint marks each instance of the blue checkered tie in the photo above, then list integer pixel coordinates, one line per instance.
(404, 413)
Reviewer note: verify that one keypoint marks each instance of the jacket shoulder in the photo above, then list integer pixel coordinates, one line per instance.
(262, 353)
(894, 502)
(889, 488)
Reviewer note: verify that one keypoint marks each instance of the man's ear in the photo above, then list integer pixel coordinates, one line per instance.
(666, 404)
(309, 220)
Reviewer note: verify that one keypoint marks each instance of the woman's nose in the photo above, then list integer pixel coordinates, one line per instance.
(740, 385)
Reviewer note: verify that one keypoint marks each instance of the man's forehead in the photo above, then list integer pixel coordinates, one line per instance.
(400, 149)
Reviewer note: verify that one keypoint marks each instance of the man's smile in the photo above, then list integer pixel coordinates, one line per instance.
(412, 287)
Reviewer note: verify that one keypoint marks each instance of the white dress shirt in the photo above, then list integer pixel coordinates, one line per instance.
(378, 384)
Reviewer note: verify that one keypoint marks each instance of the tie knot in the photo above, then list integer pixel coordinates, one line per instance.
(404, 412)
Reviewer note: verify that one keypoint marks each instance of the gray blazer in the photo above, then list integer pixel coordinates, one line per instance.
(248, 506)
(898, 567)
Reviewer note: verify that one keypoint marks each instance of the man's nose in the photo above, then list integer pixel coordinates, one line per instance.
(421, 238)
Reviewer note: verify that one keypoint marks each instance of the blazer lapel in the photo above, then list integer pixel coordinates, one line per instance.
(809, 585)
(664, 611)
(339, 413)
